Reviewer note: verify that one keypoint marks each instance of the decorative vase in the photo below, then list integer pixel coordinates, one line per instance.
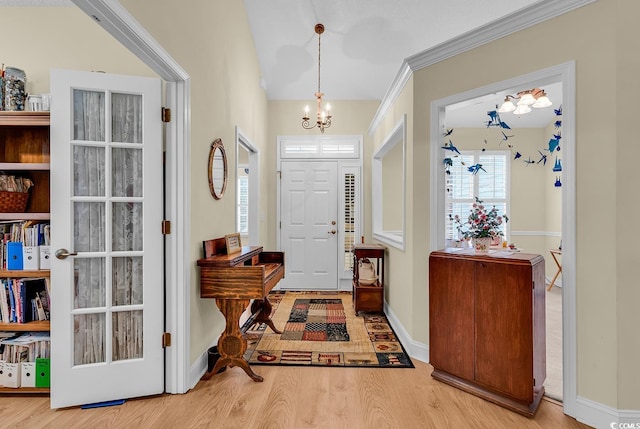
(481, 244)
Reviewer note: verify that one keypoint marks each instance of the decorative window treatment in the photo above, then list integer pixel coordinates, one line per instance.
(105, 205)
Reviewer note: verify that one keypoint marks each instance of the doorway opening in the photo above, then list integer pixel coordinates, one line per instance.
(447, 121)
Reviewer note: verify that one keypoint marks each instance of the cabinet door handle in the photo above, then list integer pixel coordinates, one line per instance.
(63, 253)
(333, 231)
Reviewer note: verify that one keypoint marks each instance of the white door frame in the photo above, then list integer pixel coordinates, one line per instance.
(347, 150)
(566, 74)
(117, 21)
(242, 140)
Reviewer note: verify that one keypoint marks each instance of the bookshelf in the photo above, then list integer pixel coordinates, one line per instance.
(24, 149)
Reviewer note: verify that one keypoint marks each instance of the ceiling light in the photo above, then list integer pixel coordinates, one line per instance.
(535, 97)
(522, 109)
(323, 116)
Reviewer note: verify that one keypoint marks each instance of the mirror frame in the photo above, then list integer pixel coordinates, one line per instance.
(398, 136)
(217, 145)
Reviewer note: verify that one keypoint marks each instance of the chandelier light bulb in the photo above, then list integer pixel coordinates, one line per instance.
(522, 109)
(542, 102)
(507, 106)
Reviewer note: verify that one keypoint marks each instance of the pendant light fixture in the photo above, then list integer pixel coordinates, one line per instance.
(323, 115)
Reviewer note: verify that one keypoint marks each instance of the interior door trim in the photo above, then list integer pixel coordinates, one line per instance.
(118, 22)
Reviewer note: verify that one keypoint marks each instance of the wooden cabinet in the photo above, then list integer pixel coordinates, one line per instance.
(24, 150)
(487, 325)
(369, 297)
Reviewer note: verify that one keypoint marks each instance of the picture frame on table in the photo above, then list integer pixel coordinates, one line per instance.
(233, 242)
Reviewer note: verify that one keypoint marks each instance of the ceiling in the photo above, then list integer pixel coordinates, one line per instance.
(363, 46)
(364, 43)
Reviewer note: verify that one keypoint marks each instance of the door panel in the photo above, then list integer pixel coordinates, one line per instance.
(106, 170)
(309, 212)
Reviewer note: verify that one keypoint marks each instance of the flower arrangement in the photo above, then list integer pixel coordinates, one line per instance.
(481, 222)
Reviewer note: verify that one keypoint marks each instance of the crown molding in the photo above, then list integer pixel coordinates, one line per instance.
(509, 24)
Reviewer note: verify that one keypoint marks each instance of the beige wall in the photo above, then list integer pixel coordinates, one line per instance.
(626, 158)
(402, 291)
(45, 38)
(213, 43)
(606, 286)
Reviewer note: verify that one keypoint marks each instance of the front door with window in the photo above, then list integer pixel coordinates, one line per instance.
(309, 216)
(106, 214)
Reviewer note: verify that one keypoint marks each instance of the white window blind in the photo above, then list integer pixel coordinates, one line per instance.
(349, 218)
(243, 203)
(490, 184)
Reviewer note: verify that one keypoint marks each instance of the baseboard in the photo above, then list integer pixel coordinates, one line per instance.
(415, 349)
(602, 416)
(199, 367)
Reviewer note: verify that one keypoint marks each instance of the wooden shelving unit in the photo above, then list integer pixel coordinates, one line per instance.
(24, 148)
(369, 297)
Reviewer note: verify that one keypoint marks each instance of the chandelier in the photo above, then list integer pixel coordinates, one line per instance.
(323, 116)
(535, 97)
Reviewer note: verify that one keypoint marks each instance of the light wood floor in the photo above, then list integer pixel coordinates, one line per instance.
(295, 397)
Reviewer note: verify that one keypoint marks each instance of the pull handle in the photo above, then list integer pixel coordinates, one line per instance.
(333, 231)
(63, 253)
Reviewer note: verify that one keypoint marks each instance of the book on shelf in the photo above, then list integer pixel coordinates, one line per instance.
(24, 300)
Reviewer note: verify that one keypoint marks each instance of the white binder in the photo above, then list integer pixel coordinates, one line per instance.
(30, 258)
(28, 374)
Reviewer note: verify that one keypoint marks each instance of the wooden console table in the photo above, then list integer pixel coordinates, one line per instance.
(233, 280)
(487, 325)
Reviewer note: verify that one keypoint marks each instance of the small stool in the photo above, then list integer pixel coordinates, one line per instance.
(555, 252)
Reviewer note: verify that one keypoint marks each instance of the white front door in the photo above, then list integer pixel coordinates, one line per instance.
(106, 211)
(309, 216)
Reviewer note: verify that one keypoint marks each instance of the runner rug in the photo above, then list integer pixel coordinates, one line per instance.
(322, 329)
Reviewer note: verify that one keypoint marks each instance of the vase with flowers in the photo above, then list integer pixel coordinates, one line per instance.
(482, 226)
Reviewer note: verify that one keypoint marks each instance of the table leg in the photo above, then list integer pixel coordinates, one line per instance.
(263, 309)
(232, 343)
(557, 272)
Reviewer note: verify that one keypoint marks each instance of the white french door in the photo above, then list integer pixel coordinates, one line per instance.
(309, 217)
(107, 287)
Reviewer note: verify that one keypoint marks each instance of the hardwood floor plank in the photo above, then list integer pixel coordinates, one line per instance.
(295, 397)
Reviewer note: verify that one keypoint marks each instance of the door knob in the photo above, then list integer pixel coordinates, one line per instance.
(333, 222)
(333, 231)
(63, 253)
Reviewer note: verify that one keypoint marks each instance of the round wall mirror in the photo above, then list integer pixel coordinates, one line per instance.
(217, 169)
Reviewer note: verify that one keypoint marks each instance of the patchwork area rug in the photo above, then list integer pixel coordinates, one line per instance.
(321, 328)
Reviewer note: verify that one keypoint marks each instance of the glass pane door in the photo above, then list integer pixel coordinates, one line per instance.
(108, 227)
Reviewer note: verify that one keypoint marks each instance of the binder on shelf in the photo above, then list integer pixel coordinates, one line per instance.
(2, 374)
(30, 258)
(28, 374)
(45, 257)
(42, 372)
(11, 374)
(14, 255)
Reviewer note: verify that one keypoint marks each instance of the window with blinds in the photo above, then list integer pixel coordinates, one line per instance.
(490, 184)
(349, 218)
(243, 202)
